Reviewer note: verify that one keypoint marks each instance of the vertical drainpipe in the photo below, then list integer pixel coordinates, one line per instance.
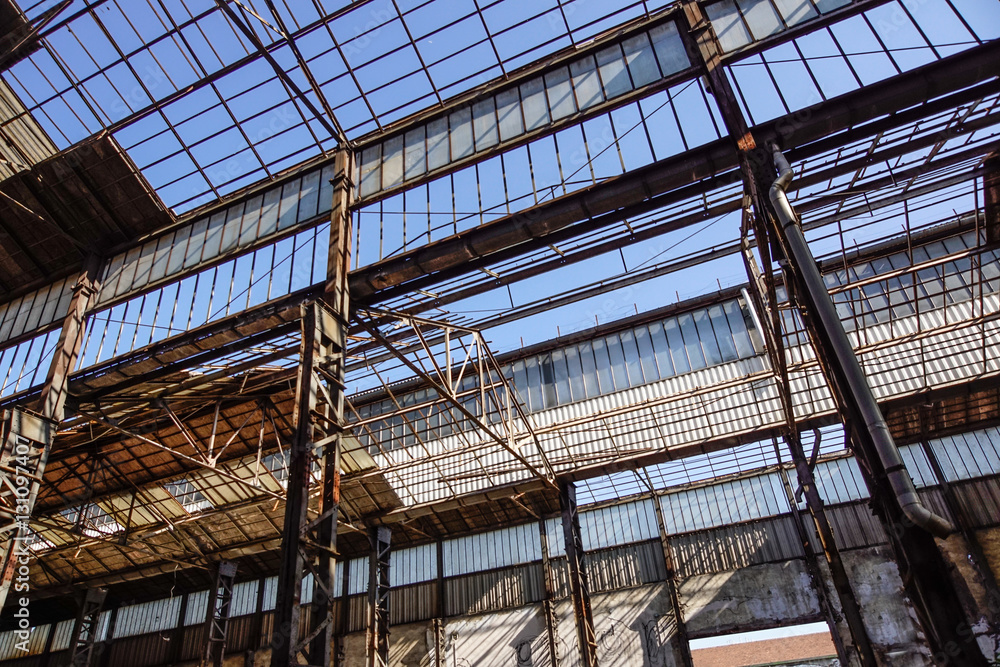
(899, 480)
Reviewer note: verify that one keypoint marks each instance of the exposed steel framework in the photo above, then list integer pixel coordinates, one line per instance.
(284, 340)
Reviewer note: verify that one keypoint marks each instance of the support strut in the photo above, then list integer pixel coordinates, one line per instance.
(378, 596)
(586, 635)
(217, 617)
(85, 628)
(911, 527)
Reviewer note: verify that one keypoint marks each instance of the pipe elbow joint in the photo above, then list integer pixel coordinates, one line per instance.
(933, 523)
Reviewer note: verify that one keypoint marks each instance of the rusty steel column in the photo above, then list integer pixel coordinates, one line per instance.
(256, 626)
(586, 636)
(24, 451)
(966, 527)
(683, 643)
(319, 432)
(343, 616)
(85, 628)
(220, 601)
(548, 603)
(439, 645)
(922, 567)
(174, 653)
(378, 596)
(104, 650)
(991, 198)
(703, 47)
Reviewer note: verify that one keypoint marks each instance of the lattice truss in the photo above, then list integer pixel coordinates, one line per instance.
(584, 176)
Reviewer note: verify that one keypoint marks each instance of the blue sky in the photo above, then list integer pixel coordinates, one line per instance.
(244, 127)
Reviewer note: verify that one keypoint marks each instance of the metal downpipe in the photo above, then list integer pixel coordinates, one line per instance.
(899, 480)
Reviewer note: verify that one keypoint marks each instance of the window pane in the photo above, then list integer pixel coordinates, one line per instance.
(560, 93)
(607, 385)
(586, 82)
(561, 377)
(576, 383)
(646, 355)
(437, 143)
(728, 25)
(617, 355)
(536, 113)
(509, 112)
(461, 133)
(669, 48)
(632, 362)
(548, 381)
(485, 123)
(691, 343)
(737, 324)
(589, 364)
(534, 384)
(614, 76)
(676, 341)
(722, 334)
(662, 349)
(709, 343)
(416, 153)
(641, 61)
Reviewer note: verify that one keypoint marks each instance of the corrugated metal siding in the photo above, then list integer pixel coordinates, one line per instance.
(975, 454)
(497, 589)
(730, 548)
(839, 481)
(413, 603)
(487, 551)
(554, 537)
(36, 643)
(618, 524)
(197, 608)
(64, 632)
(725, 503)
(150, 617)
(410, 566)
(980, 501)
(357, 608)
(917, 465)
(142, 651)
(270, 593)
(854, 526)
(625, 566)
(358, 576)
(244, 598)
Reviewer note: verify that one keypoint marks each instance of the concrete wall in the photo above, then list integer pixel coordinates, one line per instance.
(768, 595)
(635, 628)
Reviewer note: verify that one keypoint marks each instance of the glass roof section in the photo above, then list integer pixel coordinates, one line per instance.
(210, 97)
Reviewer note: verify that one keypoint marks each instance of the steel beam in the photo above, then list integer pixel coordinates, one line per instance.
(762, 288)
(104, 650)
(440, 659)
(26, 440)
(991, 198)
(220, 600)
(305, 541)
(377, 652)
(966, 528)
(256, 626)
(682, 643)
(548, 603)
(343, 617)
(85, 628)
(763, 295)
(586, 635)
